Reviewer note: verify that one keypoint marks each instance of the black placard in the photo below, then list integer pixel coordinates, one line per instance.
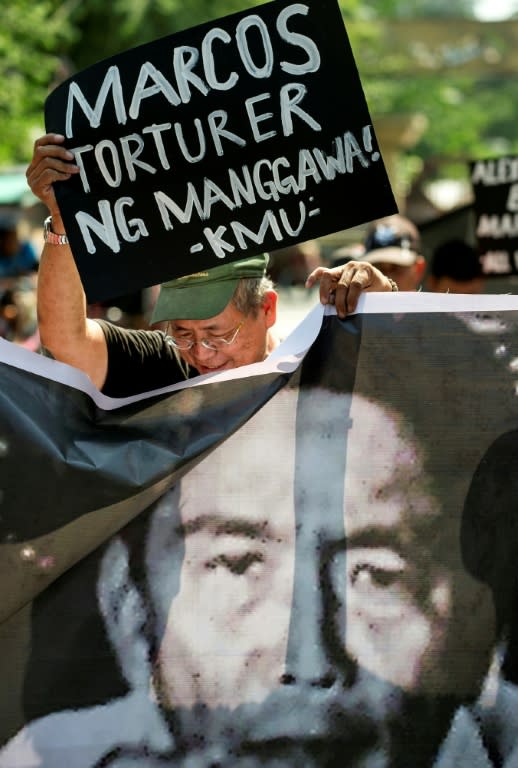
(495, 186)
(228, 139)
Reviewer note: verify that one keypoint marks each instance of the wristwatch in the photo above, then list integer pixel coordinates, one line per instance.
(50, 237)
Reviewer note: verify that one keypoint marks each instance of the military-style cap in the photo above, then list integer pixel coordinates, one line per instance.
(205, 294)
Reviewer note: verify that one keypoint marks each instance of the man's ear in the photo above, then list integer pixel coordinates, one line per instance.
(270, 307)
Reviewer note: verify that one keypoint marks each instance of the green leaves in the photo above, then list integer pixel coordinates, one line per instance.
(407, 64)
(30, 37)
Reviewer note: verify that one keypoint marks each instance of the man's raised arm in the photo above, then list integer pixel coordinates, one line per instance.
(65, 330)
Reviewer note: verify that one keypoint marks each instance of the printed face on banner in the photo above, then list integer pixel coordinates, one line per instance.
(315, 603)
(232, 138)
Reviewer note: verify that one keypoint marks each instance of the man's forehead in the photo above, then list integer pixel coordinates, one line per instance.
(225, 318)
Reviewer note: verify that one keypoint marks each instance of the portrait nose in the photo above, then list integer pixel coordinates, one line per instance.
(316, 655)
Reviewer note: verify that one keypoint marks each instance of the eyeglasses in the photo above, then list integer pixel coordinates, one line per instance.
(215, 343)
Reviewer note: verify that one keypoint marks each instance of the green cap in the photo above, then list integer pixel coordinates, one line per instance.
(205, 294)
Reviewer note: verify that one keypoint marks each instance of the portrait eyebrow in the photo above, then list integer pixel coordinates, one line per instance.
(225, 526)
(401, 537)
(373, 536)
(413, 538)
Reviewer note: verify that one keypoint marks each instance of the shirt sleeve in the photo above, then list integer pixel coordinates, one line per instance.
(138, 361)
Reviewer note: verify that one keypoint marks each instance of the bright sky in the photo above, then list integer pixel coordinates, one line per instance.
(495, 10)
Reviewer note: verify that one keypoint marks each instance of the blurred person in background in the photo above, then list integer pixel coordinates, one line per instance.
(17, 257)
(393, 245)
(455, 268)
(291, 266)
(18, 277)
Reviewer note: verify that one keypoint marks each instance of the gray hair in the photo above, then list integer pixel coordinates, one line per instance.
(250, 292)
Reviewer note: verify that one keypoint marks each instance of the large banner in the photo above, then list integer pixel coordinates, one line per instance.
(231, 138)
(308, 563)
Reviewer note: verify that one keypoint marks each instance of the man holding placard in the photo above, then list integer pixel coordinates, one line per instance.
(193, 155)
(211, 328)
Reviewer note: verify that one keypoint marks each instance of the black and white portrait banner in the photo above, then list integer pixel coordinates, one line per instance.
(310, 562)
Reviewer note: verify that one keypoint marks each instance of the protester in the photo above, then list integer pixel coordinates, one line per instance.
(455, 268)
(17, 257)
(291, 266)
(18, 322)
(18, 279)
(393, 245)
(346, 609)
(217, 334)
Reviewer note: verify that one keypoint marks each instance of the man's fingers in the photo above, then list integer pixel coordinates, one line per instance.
(354, 279)
(346, 297)
(48, 158)
(328, 279)
(323, 277)
(49, 152)
(51, 162)
(49, 138)
(343, 286)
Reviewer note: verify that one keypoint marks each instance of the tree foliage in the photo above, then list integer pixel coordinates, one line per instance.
(130, 23)
(409, 9)
(43, 41)
(31, 35)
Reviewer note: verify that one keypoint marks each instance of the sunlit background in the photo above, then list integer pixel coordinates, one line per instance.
(494, 10)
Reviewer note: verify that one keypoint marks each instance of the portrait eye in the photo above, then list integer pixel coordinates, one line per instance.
(376, 571)
(378, 577)
(236, 564)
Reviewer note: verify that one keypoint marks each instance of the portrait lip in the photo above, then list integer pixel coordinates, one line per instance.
(308, 727)
(356, 751)
(290, 753)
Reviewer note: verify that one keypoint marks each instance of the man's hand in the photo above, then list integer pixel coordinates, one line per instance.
(50, 162)
(342, 286)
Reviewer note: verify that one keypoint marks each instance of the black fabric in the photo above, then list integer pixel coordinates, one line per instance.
(139, 361)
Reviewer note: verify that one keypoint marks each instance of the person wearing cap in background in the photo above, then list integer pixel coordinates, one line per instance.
(393, 245)
(217, 319)
(455, 268)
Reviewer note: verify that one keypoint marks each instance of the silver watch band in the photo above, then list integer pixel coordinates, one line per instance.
(51, 237)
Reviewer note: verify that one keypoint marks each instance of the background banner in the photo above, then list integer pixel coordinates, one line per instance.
(309, 566)
(495, 186)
